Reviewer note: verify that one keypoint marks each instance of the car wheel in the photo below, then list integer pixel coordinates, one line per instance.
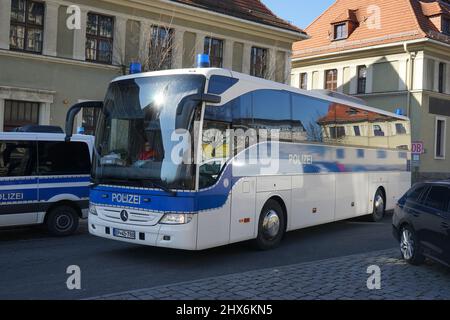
(271, 226)
(409, 246)
(379, 207)
(62, 221)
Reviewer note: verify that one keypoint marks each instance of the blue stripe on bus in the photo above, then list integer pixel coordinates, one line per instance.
(326, 159)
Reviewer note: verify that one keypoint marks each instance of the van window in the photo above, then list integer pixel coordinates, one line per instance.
(62, 158)
(438, 198)
(17, 158)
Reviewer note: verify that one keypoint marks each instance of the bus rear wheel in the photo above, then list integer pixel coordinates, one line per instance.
(379, 207)
(271, 226)
(62, 221)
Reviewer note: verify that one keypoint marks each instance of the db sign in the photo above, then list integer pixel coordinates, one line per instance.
(417, 148)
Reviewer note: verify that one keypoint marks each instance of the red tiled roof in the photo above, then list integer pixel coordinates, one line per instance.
(400, 20)
(339, 113)
(252, 10)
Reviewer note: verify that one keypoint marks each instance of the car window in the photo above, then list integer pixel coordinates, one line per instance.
(438, 198)
(62, 158)
(415, 193)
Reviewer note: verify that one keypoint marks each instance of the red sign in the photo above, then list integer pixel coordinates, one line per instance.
(417, 147)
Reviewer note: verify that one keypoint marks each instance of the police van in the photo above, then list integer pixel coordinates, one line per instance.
(44, 180)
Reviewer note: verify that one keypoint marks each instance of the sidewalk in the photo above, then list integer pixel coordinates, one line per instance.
(337, 278)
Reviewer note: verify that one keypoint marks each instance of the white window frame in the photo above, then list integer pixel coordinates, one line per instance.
(444, 142)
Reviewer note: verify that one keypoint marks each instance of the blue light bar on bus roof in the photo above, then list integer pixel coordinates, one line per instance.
(203, 61)
(135, 67)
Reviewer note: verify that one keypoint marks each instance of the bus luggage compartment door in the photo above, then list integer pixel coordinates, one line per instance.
(243, 215)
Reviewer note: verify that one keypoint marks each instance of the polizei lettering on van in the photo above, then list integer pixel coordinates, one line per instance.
(14, 196)
(126, 198)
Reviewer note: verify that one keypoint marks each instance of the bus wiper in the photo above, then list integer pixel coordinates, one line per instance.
(159, 186)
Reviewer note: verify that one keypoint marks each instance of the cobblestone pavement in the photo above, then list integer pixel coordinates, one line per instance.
(338, 278)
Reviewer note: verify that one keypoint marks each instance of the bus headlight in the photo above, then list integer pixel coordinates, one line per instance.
(92, 210)
(176, 218)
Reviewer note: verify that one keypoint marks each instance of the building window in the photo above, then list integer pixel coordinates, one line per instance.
(340, 31)
(400, 128)
(440, 138)
(161, 48)
(357, 131)
(258, 65)
(214, 48)
(90, 117)
(20, 113)
(362, 79)
(337, 132)
(378, 131)
(304, 81)
(27, 26)
(446, 26)
(331, 80)
(442, 75)
(99, 38)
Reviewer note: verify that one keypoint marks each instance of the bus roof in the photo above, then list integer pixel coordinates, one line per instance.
(267, 84)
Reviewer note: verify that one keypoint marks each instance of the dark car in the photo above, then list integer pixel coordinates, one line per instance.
(422, 223)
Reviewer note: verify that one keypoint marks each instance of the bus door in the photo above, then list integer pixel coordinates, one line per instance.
(215, 185)
(19, 201)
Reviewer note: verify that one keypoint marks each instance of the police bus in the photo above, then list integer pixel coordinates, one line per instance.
(44, 179)
(199, 158)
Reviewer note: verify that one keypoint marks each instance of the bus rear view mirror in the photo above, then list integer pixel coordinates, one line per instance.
(74, 110)
(210, 98)
(188, 104)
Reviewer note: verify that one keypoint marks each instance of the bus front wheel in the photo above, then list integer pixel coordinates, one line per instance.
(62, 221)
(271, 226)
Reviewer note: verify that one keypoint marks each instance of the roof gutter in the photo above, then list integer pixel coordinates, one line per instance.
(365, 49)
(374, 48)
(304, 36)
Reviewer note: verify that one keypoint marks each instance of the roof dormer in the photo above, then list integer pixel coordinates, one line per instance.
(438, 13)
(343, 25)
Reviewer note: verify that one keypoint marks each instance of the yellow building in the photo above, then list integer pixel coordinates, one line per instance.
(54, 53)
(392, 54)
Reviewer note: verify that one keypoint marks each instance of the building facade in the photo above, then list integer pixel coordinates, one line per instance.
(56, 53)
(392, 54)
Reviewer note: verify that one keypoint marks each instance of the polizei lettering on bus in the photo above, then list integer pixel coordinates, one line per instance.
(126, 198)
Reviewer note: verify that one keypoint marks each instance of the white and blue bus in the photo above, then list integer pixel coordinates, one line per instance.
(198, 158)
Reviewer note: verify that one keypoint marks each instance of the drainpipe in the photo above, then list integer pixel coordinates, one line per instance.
(412, 57)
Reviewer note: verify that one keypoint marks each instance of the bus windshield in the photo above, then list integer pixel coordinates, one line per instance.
(134, 138)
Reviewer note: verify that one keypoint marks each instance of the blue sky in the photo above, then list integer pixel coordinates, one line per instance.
(299, 12)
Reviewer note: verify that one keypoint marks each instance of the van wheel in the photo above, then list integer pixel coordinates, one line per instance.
(271, 226)
(62, 221)
(379, 207)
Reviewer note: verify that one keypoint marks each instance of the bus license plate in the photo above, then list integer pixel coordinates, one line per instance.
(124, 234)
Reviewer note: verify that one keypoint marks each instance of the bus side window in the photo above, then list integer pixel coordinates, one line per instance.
(312, 119)
(271, 113)
(17, 158)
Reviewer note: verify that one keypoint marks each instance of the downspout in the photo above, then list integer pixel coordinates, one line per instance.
(410, 78)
